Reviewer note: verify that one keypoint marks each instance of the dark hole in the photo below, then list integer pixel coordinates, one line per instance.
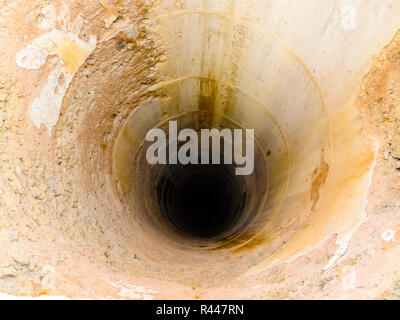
(203, 201)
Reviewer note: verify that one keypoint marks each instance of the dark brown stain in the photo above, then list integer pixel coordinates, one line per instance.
(208, 90)
(252, 244)
(242, 244)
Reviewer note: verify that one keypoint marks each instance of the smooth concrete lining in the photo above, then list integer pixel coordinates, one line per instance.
(78, 207)
(257, 82)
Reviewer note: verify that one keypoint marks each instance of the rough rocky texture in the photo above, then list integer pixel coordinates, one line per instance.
(379, 100)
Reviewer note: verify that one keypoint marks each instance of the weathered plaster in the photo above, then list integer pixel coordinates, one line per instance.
(72, 53)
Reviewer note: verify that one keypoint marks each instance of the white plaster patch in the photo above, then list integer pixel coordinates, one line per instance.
(343, 245)
(33, 56)
(48, 17)
(388, 235)
(131, 291)
(46, 108)
(365, 220)
(257, 287)
(72, 52)
(63, 18)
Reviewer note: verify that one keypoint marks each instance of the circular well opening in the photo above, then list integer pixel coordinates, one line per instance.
(190, 205)
(203, 201)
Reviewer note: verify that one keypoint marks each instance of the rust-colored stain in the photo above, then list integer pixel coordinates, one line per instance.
(72, 55)
(318, 181)
(103, 144)
(253, 243)
(207, 95)
(383, 295)
(41, 293)
(387, 245)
